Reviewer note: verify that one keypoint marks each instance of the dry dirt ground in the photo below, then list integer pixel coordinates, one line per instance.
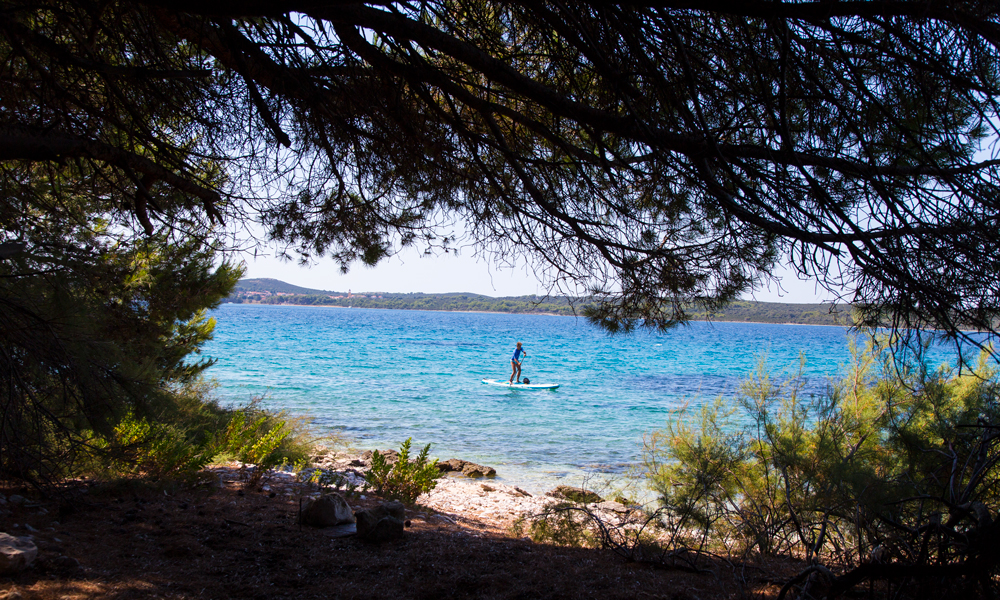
(227, 541)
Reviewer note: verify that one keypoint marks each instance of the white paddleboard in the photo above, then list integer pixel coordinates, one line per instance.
(521, 386)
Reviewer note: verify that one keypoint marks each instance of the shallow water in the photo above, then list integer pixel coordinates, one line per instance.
(381, 376)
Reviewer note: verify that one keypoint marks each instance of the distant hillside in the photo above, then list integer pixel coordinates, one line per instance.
(273, 291)
(779, 312)
(274, 286)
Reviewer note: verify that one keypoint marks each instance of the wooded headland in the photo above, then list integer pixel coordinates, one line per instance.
(274, 291)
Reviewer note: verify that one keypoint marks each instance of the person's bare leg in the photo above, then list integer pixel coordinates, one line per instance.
(513, 370)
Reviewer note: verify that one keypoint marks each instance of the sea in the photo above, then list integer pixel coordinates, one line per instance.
(377, 377)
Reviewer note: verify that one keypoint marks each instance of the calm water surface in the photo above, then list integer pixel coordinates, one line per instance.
(381, 376)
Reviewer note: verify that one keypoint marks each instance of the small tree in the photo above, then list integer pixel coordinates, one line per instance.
(404, 479)
(894, 473)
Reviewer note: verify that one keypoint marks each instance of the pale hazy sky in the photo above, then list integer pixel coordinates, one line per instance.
(414, 272)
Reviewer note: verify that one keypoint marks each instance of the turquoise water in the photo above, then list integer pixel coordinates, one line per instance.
(381, 376)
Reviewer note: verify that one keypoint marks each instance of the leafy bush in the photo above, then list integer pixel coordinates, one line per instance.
(190, 432)
(254, 440)
(403, 480)
(893, 473)
(139, 447)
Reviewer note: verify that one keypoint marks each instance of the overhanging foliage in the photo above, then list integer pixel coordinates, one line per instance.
(653, 153)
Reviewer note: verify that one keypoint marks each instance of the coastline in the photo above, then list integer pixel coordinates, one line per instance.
(280, 293)
(493, 312)
(536, 478)
(551, 314)
(461, 498)
(471, 312)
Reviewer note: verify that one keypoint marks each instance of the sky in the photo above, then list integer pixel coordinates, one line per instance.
(414, 272)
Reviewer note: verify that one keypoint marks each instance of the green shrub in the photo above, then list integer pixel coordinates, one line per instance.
(190, 431)
(230, 430)
(254, 440)
(403, 480)
(138, 447)
(896, 462)
(694, 471)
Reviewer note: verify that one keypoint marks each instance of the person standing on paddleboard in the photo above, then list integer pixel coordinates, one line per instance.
(515, 363)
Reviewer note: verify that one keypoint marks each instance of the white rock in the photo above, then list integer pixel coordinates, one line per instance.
(16, 554)
(327, 511)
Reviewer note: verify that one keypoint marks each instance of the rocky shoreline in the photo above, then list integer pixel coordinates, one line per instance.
(466, 491)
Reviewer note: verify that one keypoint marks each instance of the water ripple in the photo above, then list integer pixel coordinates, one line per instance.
(381, 376)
